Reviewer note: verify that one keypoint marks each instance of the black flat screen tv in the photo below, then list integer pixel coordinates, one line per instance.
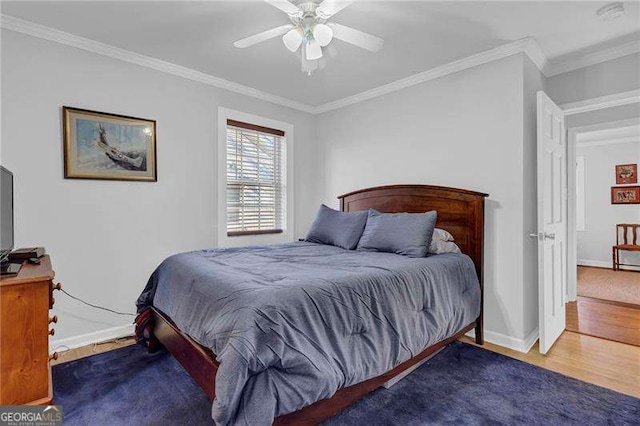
(6, 213)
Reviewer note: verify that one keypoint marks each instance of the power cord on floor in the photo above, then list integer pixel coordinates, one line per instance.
(66, 350)
(95, 306)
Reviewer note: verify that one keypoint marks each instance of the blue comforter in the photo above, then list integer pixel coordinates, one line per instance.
(292, 323)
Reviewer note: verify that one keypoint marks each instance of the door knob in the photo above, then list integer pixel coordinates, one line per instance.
(534, 236)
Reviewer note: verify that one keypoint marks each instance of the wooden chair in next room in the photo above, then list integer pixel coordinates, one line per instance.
(625, 230)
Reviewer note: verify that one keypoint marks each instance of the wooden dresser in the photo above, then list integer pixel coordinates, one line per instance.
(25, 301)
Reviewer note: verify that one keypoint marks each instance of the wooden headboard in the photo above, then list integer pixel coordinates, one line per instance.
(460, 211)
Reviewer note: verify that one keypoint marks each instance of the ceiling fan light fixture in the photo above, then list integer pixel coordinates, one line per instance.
(313, 51)
(323, 34)
(292, 39)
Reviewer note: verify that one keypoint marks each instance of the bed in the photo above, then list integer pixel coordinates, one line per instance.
(304, 329)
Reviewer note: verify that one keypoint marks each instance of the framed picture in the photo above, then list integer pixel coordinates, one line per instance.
(99, 145)
(625, 195)
(626, 173)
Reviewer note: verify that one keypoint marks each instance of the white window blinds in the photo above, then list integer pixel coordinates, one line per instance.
(255, 179)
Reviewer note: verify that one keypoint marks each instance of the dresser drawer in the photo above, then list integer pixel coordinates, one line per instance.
(25, 300)
(24, 339)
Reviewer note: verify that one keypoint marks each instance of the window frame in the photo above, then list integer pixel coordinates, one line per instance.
(253, 237)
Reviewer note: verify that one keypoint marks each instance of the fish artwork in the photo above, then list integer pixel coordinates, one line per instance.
(118, 157)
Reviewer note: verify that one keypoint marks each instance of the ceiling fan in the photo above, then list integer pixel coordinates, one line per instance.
(310, 30)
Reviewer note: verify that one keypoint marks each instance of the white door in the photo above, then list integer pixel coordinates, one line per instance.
(552, 220)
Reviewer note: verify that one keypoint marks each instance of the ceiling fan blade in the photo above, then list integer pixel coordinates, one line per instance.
(288, 8)
(356, 37)
(328, 8)
(263, 36)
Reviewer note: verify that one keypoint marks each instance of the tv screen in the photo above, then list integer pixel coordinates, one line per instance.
(6, 212)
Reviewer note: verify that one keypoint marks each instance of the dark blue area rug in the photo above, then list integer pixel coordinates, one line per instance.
(461, 385)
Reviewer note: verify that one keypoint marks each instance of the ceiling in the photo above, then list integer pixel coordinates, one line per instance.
(419, 35)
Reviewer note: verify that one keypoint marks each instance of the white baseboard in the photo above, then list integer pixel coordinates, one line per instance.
(597, 263)
(531, 340)
(91, 338)
(607, 265)
(520, 345)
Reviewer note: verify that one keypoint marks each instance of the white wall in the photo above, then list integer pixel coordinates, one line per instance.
(606, 115)
(105, 238)
(618, 75)
(615, 76)
(533, 82)
(473, 129)
(463, 130)
(601, 217)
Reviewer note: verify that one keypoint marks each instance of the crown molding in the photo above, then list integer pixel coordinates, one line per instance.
(571, 64)
(527, 45)
(68, 39)
(57, 36)
(530, 47)
(602, 102)
(537, 56)
(491, 55)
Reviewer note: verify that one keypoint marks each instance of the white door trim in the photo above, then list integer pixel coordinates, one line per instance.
(572, 234)
(602, 102)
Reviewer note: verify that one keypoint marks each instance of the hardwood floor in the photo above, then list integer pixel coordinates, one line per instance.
(602, 318)
(602, 362)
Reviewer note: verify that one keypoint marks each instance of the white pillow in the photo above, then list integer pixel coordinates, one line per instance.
(442, 235)
(440, 247)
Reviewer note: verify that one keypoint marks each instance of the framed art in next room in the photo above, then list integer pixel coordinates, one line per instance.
(626, 173)
(625, 195)
(99, 145)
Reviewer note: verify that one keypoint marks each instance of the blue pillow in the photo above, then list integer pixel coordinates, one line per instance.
(408, 234)
(337, 228)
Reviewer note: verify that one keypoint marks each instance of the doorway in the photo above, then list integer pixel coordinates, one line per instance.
(604, 193)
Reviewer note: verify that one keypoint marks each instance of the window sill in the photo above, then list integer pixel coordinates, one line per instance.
(246, 233)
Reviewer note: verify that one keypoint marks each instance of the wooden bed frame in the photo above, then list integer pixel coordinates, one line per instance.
(461, 212)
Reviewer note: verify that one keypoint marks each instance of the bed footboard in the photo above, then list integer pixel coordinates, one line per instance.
(479, 331)
(154, 329)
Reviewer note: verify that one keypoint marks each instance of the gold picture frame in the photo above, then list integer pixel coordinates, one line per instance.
(104, 146)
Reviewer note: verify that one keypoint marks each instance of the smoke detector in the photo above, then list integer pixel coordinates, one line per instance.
(611, 11)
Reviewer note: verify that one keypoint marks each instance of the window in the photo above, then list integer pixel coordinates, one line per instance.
(255, 179)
